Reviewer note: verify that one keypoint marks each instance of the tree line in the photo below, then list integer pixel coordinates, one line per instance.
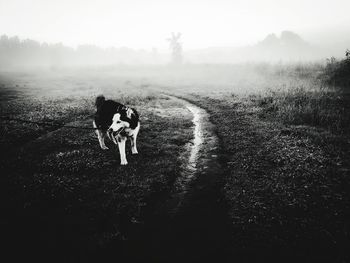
(28, 53)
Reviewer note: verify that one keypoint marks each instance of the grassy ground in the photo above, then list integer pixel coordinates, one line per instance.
(286, 150)
(60, 191)
(287, 187)
(284, 147)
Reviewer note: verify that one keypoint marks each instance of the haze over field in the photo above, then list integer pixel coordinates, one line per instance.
(243, 152)
(136, 32)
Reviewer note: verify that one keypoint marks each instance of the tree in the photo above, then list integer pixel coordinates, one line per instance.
(176, 48)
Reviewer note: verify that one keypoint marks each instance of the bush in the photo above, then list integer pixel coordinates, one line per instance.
(337, 73)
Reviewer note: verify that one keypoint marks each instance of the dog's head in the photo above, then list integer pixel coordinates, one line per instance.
(118, 125)
(125, 118)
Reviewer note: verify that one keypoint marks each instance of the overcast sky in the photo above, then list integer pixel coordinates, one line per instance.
(147, 23)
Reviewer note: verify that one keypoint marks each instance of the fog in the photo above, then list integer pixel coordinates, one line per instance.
(58, 34)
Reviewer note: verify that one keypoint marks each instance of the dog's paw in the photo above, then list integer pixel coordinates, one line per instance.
(104, 147)
(134, 151)
(123, 162)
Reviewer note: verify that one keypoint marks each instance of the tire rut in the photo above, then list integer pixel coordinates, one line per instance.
(190, 221)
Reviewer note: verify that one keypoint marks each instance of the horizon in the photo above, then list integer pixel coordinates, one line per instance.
(21, 39)
(166, 50)
(147, 25)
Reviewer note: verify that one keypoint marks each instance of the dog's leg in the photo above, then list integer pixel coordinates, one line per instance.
(133, 145)
(121, 146)
(133, 140)
(101, 137)
(102, 141)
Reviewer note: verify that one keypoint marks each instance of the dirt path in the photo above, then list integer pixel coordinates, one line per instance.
(187, 221)
(286, 186)
(190, 222)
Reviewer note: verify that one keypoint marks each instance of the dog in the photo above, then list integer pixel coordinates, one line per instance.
(119, 123)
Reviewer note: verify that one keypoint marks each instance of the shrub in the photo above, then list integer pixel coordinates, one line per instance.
(337, 73)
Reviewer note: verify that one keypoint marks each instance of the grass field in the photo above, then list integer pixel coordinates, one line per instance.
(283, 149)
(62, 185)
(285, 146)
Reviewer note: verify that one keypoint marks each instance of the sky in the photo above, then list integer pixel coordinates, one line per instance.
(148, 23)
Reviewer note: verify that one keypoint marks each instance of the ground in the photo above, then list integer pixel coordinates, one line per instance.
(267, 188)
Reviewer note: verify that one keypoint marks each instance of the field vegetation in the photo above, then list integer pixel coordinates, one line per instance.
(61, 192)
(287, 186)
(284, 150)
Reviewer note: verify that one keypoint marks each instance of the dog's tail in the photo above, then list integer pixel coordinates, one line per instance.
(99, 101)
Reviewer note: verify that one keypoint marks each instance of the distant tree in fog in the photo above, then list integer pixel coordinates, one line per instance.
(16, 53)
(176, 48)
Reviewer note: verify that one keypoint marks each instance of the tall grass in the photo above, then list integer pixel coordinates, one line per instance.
(299, 106)
(303, 97)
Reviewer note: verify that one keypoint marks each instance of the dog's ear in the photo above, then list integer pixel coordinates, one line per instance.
(131, 116)
(129, 113)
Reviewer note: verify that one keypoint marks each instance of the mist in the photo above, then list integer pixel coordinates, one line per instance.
(286, 47)
(54, 34)
(175, 131)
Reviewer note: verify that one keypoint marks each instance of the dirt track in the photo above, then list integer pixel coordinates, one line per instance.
(60, 170)
(256, 189)
(287, 187)
(188, 222)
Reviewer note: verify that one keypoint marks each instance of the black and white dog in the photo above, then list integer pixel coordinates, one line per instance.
(119, 123)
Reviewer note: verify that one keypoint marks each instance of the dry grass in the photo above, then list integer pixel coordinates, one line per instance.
(284, 145)
(59, 190)
(324, 108)
(301, 98)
